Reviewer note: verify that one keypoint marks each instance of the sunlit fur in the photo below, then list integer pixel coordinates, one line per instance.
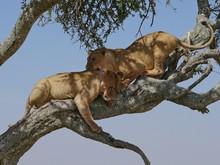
(146, 55)
(82, 87)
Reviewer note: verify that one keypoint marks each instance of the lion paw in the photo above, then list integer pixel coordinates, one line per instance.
(97, 129)
(204, 110)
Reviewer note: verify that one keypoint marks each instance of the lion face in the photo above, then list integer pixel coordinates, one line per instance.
(111, 85)
(97, 59)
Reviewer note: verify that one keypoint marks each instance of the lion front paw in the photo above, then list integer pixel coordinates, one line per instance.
(204, 110)
(96, 129)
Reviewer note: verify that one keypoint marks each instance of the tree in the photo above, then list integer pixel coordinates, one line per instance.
(56, 114)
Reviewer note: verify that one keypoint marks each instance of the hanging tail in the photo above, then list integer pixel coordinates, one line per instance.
(195, 47)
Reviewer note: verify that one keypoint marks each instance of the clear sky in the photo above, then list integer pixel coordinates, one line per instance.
(170, 134)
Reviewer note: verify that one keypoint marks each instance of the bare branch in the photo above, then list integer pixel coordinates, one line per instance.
(181, 73)
(30, 14)
(206, 73)
(151, 7)
(204, 7)
(199, 101)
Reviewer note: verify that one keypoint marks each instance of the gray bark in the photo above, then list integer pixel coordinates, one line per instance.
(141, 96)
(27, 18)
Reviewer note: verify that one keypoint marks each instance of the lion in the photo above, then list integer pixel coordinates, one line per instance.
(82, 87)
(146, 55)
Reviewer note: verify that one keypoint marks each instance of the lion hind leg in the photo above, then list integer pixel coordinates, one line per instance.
(159, 58)
(156, 72)
(39, 96)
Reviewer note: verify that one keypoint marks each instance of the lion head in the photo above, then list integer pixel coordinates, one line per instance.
(111, 85)
(102, 58)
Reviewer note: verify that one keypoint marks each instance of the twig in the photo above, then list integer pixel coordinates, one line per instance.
(150, 6)
(208, 70)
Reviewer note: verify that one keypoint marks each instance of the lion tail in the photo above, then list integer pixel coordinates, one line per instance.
(28, 108)
(195, 47)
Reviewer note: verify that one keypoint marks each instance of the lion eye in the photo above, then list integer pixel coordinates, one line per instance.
(93, 59)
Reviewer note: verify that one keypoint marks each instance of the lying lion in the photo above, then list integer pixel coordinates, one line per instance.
(146, 55)
(82, 87)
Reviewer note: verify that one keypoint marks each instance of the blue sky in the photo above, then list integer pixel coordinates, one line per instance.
(170, 134)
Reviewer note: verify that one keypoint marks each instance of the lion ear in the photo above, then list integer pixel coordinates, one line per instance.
(103, 51)
(102, 85)
(89, 52)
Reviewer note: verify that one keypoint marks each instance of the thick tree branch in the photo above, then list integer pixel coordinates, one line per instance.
(200, 101)
(21, 136)
(29, 15)
(204, 7)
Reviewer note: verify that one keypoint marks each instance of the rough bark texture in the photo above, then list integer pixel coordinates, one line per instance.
(22, 27)
(20, 137)
(141, 96)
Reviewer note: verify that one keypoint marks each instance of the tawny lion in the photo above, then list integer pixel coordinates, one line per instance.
(146, 55)
(82, 87)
